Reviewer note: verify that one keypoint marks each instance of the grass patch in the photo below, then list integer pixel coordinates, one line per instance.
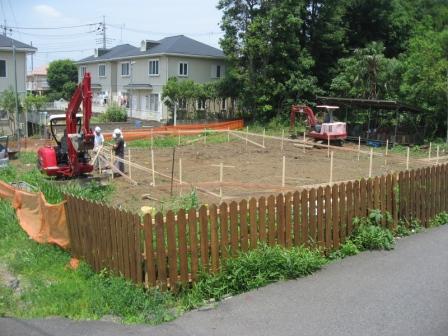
(50, 288)
(170, 141)
(54, 192)
(439, 219)
(253, 269)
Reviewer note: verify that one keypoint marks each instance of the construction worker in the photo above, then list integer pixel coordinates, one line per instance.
(118, 148)
(97, 145)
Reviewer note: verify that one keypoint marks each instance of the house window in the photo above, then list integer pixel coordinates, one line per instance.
(125, 69)
(183, 69)
(2, 68)
(102, 70)
(153, 67)
(201, 104)
(218, 71)
(83, 71)
(182, 104)
(154, 102)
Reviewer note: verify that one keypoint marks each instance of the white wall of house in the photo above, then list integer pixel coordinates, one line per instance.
(8, 81)
(146, 103)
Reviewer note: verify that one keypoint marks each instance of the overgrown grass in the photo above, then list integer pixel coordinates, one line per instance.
(50, 288)
(186, 201)
(54, 192)
(253, 269)
(439, 219)
(170, 141)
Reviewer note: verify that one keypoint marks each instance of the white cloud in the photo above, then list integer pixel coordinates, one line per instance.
(47, 11)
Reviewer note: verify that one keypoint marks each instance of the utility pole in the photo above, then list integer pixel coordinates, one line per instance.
(16, 94)
(104, 32)
(4, 27)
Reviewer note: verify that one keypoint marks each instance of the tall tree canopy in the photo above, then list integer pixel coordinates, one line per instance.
(62, 78)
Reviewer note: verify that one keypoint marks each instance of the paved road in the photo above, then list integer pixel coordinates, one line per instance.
(402, 292)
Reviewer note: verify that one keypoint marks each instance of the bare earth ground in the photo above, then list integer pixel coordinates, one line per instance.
(256, 171)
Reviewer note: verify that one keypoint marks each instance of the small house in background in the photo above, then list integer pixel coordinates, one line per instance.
(36, 80)
(134, 77)
(7, 73)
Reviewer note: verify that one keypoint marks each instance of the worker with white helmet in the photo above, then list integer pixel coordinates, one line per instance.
(117, 135)
(98, 141)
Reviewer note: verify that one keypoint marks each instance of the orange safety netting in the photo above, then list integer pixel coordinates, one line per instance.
(43, 222)
(187, 129)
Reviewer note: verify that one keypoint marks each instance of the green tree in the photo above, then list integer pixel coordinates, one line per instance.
(368, 74)
(8, 104)
(62, 78)
(263, 42)
(425, 74)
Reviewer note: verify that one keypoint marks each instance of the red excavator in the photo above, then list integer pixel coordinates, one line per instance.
(70, 157)
(328, 130)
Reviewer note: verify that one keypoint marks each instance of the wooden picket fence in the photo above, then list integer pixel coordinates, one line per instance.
(165, 251)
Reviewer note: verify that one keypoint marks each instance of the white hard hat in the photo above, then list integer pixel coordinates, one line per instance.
(97, 129)
(116, 133)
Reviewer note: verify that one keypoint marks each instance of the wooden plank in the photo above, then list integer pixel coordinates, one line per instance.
(328, 218)
(304, 225)
(193, 231)
(149, 251)
(183, 253)
(115, 225)
(104, 215)
(132, 254)
(350, 208)
(357, 199)
(417, 198)
(383, 200)
(342, 212)
(70, 226)
(92, 236)
(411, 206)
(262, 219)
(161, 253)
(444, 187)
(320, 217)
(271, 220)
(335, 216)
(101, 241)
(429, 198)
(395, 202)
(172, 255)
(280, 220)
(224, 224)
(389, 196)
(288, 215)
(362, 198)
(312, 217)
(437, 185)
(253, 223)
(370, 195)
(296, 217)
(234, 228)
(214, 244)
(376, 193)
(243, 226)
(124, 236)
(203, 220)
(406, 194)
(138, 248)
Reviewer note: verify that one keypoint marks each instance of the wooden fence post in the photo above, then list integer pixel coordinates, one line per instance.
(331, 167)
(370, 162)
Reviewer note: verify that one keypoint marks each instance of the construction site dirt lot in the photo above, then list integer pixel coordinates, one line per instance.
(249, 170)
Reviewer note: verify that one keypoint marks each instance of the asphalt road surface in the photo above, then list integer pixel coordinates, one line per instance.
(401, 292)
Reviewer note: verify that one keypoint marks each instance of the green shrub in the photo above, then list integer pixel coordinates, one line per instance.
(185, 201)
(372, 237)
(407, 227)
(254, 269)
(114, 113)
(439, 219)
(347, 249)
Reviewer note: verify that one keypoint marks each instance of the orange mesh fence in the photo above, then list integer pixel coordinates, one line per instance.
(43, 222)
(189, 129)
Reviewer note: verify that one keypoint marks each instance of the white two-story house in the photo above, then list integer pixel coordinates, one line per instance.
(7, 72)
(134, 77)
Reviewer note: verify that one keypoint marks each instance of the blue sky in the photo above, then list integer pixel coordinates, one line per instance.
(127, 21)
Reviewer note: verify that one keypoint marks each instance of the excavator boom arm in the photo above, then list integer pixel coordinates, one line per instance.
(312, 120)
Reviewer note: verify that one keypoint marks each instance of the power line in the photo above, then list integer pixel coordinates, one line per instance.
(120, 27)
(63, 36)
(61, 27)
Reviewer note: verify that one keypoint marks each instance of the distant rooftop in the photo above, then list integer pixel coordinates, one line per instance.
(7, 43)
(39, 71)
(177, 45)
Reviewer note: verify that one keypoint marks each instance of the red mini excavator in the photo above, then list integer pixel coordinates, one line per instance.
(70, 157)
(328, 130)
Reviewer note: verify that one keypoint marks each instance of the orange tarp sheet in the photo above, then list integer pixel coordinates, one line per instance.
(189, 129)
(43, 222)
